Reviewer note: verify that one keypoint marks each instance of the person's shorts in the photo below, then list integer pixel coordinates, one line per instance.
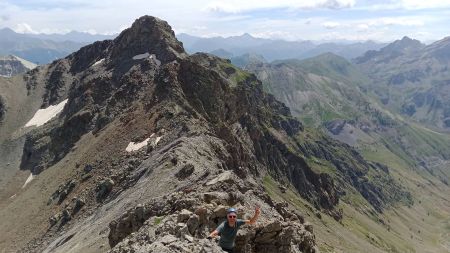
(228, 250)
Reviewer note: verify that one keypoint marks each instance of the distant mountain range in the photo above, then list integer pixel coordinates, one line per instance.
(412, 78)
(45, 48)
(235, 46)
(80, 37)
(329, 92)
(42, 48)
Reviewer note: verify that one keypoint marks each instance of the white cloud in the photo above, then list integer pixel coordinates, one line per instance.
(402, 21)
(408, 5)
(413, 21)
(24, 28)
(275, 35)
(362, 27)
(287, 19)
(237, 6)
(331, 25)
(427, 4)
(91, 31)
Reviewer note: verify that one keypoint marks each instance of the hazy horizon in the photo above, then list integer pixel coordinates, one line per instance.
(317, 20)
(319, 41)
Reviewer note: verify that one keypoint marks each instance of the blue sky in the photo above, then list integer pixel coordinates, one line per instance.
(382, 20)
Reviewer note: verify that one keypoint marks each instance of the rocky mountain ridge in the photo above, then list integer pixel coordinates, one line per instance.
(153, 144)
(205, 119)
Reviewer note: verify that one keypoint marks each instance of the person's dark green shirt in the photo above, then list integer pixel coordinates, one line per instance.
(228, 234)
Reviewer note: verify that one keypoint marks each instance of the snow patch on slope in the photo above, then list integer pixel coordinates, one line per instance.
(98, 62)
(29, 179)
(141, 56)
(132, 146)
(135, 146)
(42, 116)
(157, 140)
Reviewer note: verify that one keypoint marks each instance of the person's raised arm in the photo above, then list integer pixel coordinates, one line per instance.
(255, 216)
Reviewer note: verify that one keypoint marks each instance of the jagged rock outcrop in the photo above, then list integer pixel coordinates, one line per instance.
(166, 225)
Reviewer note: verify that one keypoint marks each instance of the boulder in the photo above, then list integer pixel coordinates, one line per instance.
(282, 188)
(308, 227)
(185, 171)
(64, 190)
(66, 216)
(104, 187)
(202, 213)
(54, 219)
(220, 211)
(223, 177)
(193, 223)
(184, 215)
(88, 168)
(79, 203)
(139, 211)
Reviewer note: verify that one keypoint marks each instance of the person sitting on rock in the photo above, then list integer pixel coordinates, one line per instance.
(229, 228)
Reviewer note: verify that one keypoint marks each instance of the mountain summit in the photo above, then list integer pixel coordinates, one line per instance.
(404, 45)
(148, 35)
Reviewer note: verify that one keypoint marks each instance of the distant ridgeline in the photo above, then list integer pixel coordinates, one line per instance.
(12, 65)
(44, 48)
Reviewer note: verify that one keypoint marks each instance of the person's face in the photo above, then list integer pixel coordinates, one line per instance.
(231, 217)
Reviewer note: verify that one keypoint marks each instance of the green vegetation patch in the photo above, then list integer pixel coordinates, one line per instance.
(158, 220)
